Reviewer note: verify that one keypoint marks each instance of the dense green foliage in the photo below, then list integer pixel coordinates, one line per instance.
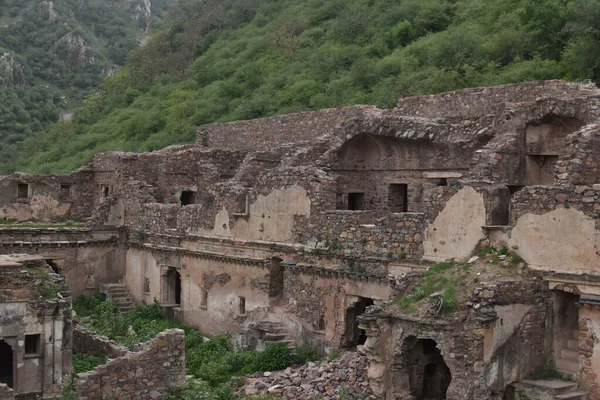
(86, 362)
(239, 59)
(214, 361)
(51, 57)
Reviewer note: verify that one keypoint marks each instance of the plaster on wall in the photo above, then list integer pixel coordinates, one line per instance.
(456, 231)
(569, 231)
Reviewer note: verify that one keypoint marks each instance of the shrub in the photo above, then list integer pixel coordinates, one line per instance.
(276, 356)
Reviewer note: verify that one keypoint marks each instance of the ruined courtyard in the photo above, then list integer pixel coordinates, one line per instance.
(321, 226)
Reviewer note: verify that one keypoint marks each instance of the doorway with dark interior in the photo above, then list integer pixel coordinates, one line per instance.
(353, 335)
(429, 376)
(6, 364)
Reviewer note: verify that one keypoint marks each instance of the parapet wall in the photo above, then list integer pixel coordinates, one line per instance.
(271, 133)
(478, 102)
(88, 342)
(156, 365)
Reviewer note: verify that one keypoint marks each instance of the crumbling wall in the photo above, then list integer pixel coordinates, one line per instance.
(319, 297)
(368, 234)
(502, 339)
(45, 198)
(146, 373)
(88, 342)
(85, 258)
(274, 132)
(477, 102)
(589, 350)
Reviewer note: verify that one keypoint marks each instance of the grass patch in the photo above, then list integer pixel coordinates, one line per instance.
(47, 288)
(86, 362)
(442, 278)
(548, 372)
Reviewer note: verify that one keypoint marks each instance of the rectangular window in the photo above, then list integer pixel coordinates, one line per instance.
(105, 191)
(356, 201)
(187, 197)
(146, 285)
(32, 344)
(65, 192)
(204, 302)
(242, 305)
(398, 197)
(23, 190)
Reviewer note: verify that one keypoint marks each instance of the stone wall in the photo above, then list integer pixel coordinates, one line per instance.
(477, 102)
(501, 339)
(146, 373)
(369, 234)
(88, 342)
(275, 132)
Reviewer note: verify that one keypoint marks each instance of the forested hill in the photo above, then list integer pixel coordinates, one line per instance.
(221, 60)
(54, 52)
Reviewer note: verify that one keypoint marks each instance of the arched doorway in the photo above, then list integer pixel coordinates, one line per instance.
(6, 364)
(429, 376)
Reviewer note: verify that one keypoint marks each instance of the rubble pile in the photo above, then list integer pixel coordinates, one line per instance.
(344, 378)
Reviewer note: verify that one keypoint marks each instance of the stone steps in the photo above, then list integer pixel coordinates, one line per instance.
(554, 389)
(573, 344)
(119, 294)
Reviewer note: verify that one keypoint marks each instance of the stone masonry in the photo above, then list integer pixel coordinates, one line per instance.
(146, 373)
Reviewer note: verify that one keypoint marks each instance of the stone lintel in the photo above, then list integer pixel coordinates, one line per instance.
(441, 174)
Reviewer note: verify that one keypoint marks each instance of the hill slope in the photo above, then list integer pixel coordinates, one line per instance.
(238, 59)
(52, 53)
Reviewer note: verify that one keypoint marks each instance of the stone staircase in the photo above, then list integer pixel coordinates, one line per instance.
(118, 294)
(567, 361)
(266, 332)
(277, 334)
(554, 389)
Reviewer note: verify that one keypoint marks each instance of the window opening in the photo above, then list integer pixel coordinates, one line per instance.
(65, 192)
(356, 201)
(187, 197)
(242, 305)
(204, 302)
(32, 344)
(23, 190)
(146, 285)
(398, 197)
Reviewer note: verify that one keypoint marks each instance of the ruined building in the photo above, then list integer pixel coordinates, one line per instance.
(35, 327)
(303, 227)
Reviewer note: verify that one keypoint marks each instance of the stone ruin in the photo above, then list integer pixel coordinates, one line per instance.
(304, 227)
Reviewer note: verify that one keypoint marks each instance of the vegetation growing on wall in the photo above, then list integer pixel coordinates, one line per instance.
(239, 59)
(214, 361)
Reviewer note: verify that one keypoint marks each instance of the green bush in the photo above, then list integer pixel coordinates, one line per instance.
(86, 362)
(276, 356)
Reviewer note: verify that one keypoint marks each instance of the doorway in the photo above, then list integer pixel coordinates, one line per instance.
(172, 287)
(429, 375)
(353, 335)
(6, 364)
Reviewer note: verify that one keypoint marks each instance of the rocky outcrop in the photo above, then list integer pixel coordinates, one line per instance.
(73, 51)
(11, 71)
(46, 11)
(343, 378)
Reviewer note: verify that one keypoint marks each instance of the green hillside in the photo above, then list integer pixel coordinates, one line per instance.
(53, 53)
(239, 59)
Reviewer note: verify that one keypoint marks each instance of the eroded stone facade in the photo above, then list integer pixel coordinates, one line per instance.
(309, 219)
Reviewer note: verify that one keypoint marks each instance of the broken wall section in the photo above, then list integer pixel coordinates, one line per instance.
(88, 342)
(274, 132)
(477, 102)
(147, 373)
